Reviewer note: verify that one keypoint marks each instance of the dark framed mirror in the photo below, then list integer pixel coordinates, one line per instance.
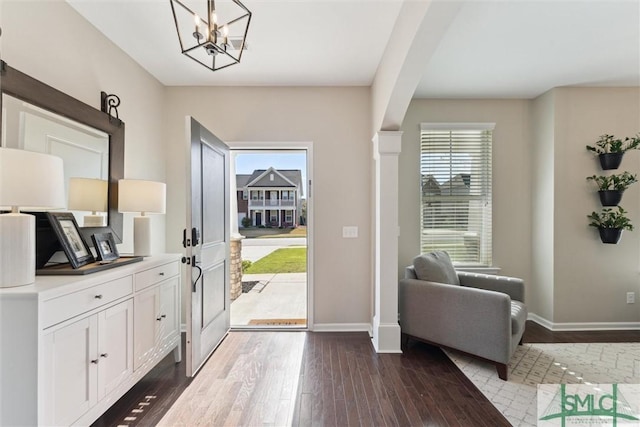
(25, 88)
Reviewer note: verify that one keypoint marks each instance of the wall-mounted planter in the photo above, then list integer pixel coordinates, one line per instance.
(610, 197)
(610, 235)
(610, 161)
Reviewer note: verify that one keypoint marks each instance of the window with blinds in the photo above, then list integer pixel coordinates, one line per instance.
(455, 168)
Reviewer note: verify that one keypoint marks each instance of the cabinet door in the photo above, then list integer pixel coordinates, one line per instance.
(71, 371)
(115, 346)
(169, 310)
(146, 306)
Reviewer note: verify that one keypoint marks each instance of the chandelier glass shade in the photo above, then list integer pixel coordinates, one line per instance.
(211, 32)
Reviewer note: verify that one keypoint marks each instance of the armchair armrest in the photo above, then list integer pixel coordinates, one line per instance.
(473, 320)
(511, 286)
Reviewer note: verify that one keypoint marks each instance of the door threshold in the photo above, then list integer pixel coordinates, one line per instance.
(279, 328)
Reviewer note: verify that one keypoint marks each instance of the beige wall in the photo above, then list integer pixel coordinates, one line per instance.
(51, 42)
(542, 198)
(337, 121)
(540, 299)
(511, 172)
(592, 279)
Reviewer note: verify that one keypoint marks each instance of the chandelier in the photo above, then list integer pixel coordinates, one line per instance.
(213, 34)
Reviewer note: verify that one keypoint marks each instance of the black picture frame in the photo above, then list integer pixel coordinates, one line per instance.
(73, 244)
(106, 250)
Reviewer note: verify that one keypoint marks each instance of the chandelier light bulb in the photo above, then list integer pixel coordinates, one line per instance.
(197, 34)
(225, 38)
(214, 17)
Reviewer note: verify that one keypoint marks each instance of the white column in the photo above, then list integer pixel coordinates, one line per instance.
(233, 190)
(386, 330)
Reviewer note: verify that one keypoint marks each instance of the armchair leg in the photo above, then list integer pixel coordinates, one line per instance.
(520, 343)
(502, 371)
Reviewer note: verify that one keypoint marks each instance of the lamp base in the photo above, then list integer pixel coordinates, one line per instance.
(17, 250)
(93, 221)
(142, 236)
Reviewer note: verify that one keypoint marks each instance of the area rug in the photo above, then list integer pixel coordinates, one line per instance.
(278, 322)
(533, 364)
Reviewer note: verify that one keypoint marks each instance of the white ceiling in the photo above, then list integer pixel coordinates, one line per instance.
(493, 49)
(521, 49)
(290, 42)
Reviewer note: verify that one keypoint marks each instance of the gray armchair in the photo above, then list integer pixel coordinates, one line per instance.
(483, 316)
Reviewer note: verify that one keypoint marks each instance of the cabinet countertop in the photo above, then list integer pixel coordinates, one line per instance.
(48, 287)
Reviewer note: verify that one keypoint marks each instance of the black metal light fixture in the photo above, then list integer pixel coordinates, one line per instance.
(215, 36)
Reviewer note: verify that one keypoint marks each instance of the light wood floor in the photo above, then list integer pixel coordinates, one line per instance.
(320, 379)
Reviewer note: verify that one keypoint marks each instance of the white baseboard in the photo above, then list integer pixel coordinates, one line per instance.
(183, 327)
(584, 326)
(343, 327)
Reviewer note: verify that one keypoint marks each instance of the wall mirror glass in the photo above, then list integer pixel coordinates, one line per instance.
(37, 117)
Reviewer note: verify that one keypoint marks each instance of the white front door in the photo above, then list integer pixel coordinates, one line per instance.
(208, 248)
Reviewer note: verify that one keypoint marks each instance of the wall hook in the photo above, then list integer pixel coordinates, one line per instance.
(109, 104)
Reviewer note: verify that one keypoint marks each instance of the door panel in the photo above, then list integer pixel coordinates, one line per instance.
(213, 289)
(208, 205)
(213, 197)
(70, 374)
(169, 294)
(146, 309)
(115, 343)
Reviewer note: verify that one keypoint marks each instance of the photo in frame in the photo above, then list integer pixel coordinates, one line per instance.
(106, 250)
(74, 246)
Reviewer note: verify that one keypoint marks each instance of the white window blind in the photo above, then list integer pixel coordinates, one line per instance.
(455, 167)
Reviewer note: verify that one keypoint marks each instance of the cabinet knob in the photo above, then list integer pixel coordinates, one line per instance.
(98, 297)
(162, 273)
(159, 318)
(104, 355)
(95, 362)
(163, 316)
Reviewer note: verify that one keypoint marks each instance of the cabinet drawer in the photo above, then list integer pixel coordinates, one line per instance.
(58, 309)
(155, 275)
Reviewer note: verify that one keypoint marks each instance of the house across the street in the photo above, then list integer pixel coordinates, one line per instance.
(270, 197)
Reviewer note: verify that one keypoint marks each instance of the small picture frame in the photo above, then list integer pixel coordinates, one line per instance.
(73, 244)
(105, 245)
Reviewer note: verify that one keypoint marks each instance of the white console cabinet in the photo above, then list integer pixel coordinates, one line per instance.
(70, 346)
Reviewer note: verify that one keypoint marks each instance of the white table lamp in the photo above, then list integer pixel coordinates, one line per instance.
(144, 197)
(28, 181)
(88, 194)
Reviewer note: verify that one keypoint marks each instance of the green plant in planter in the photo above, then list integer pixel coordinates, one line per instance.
(611, 149)
(610, 218)
(618, 182)
(610, 144)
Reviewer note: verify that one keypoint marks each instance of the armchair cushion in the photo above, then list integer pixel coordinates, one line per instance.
(436, 267)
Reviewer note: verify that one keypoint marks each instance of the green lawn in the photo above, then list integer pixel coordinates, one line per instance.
(288, 260)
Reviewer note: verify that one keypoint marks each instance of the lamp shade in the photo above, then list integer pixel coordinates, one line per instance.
(30, 180)
(88, 194)
(136, 195)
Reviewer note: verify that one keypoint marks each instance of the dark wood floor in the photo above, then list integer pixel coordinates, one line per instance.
(343, 382)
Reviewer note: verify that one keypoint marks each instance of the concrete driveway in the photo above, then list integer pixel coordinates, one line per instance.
(276, 296)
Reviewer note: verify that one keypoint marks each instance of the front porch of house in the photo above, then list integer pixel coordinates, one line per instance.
(273, 217)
